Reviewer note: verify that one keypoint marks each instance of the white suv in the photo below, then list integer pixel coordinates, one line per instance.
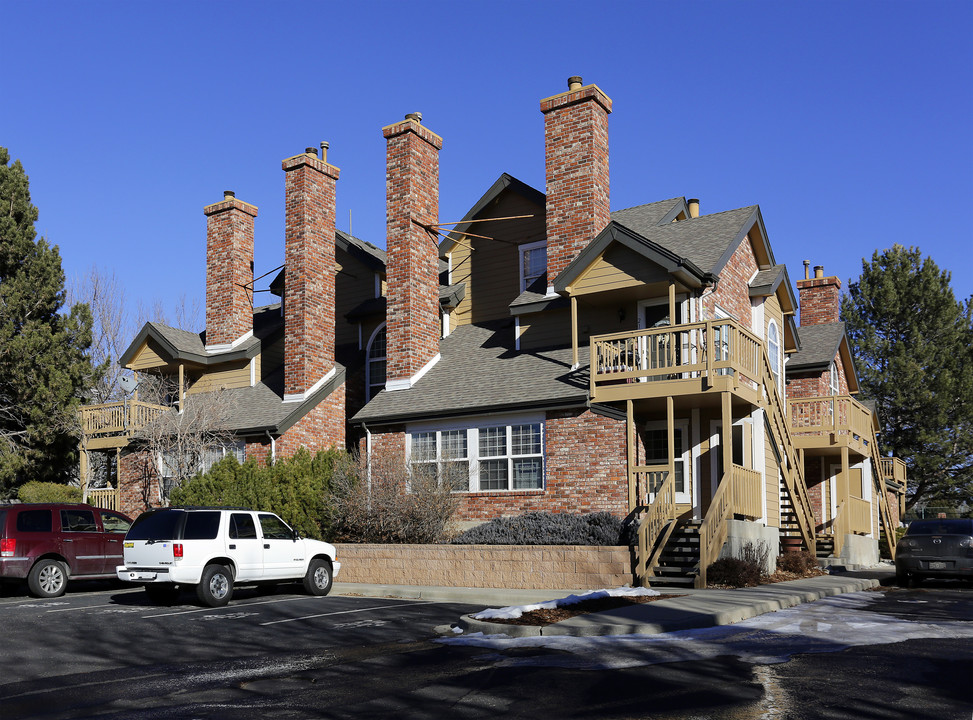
(216, 548)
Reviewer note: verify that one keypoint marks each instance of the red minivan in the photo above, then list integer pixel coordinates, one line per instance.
(50, 543)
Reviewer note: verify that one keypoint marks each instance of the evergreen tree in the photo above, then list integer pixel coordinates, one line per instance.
(43, 366)
(913, 347)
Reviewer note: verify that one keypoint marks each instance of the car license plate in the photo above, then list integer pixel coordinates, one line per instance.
(937, 566)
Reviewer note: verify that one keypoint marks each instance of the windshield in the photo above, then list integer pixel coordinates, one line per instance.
(161, 525)
(942, 526)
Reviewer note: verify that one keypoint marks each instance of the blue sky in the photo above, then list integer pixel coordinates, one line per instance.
(849, 123)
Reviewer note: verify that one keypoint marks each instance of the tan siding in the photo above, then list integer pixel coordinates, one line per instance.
(491, 272)
(543, 330)
(235, 375)
(354, 284)
(147, 357)
(773, 483)
(619, 267)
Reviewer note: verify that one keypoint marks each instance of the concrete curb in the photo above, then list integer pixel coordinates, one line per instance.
(470, 596)
(705, 608)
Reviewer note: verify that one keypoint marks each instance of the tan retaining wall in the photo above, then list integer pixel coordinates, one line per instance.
(545, 567)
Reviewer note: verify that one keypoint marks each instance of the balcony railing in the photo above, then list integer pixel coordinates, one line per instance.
(894, 469)
(118, 418)
(840, 415)
(677, 352)
(859, 516)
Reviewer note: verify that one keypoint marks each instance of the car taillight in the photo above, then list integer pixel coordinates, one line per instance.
(7, 547)
(177, 550)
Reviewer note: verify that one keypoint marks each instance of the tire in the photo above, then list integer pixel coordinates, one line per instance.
(162, 593)
(319, 578)
(48, 579)
(215, 586)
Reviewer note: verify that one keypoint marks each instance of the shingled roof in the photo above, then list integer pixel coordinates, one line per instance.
(819, 346)
(479, 371)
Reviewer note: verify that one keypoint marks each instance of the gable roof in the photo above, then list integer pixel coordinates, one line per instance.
(503, 183)
(820, 345)
(480, 372)
(775, 281)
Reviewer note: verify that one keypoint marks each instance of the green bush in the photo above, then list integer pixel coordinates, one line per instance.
(295, 488)
(49, 492)
(543, 528)
(733, 572)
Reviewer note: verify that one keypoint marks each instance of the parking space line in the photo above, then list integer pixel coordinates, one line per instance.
(347, 612)
(226, 607)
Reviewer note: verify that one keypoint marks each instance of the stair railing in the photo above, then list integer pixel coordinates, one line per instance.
(884, 509)
(655, 528)
(713, 530)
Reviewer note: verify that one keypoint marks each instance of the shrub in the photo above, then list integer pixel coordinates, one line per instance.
(49, 492)
(757, 554)
(295, 488)
(385, 501)
(543, 528)
(797, 562)
(733, 572)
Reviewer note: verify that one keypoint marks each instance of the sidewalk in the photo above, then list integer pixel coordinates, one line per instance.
(695, 609)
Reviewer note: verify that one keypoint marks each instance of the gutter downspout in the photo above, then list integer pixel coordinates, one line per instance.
(273, 446)
(368, 461)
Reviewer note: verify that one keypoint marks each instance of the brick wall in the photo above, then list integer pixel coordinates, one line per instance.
(576, 172)
(733, 289)
(321, 428)
(138, 482)
(820, 299)
(412, 271)
(309, 271)
(585, 470)
(555, 567)
(229, 266)
(815, 489)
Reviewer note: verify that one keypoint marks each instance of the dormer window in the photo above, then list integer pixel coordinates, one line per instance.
(533, 263)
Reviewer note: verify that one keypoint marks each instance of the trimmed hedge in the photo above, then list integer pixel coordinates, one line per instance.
(48, 492)
(543, 528)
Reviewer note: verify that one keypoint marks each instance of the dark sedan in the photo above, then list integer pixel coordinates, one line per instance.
(935, 548)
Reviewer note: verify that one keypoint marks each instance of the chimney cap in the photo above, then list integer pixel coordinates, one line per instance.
(228, 194)
(414, 116)
(819, 271)
(311, 151)
(575, 82)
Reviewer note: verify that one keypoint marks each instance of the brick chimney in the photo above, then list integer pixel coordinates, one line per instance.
(412, 201)
(576, 171)
(309, 190)
(229, 267)
(820, 297)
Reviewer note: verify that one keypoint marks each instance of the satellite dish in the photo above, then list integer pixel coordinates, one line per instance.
(128, 383)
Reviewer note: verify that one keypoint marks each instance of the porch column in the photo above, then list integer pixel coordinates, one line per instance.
(671, 440)
(726, 439)
(574, 333)
(844, 502)
(83, 469)
(630, 455)
(672, 303)
(182, 378)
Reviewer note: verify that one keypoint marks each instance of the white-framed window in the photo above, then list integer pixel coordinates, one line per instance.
(656, 440)
(773, 350)
(833, 384)
(491, 454)
(375, 364)
(533, 263)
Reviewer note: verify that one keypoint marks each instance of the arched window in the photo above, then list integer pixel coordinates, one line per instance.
(375, 365)
(773, 350)
(833, 384)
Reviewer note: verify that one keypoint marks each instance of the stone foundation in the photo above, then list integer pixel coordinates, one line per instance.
(544, 567)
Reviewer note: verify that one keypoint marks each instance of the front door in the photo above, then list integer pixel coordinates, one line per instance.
(657, 453)
(662, 350)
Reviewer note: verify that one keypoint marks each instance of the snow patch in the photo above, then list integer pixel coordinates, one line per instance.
(515, 611)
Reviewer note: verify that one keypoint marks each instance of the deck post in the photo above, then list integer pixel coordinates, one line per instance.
(630, 455)
(574, 334)
(726, 432)
(671, 439)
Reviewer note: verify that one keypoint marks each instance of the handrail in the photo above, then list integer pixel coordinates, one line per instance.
(106, 498)
(793, 472)
(838, 414)
(713, 530)
(884, 509)
(662, 510)
(118, 417)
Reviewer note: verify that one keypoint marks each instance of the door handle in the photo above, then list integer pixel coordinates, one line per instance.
(232, 547)
(68, 539)
(266, 546)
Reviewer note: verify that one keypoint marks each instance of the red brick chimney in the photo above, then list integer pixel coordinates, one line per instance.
(229, 267)
(820, 297)
(412, 272)
(309, 271)
(576, 170)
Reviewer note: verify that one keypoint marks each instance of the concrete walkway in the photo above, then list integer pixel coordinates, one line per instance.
(695, 609)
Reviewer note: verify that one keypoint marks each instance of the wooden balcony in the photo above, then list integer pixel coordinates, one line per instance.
(112, 424)
(831, 422)
(687, 359)
(894, 469)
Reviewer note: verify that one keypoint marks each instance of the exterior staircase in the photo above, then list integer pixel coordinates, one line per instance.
(824, 547)
(678, 564)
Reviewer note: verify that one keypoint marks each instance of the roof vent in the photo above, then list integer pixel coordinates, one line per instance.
(414, 117)
(574, 83)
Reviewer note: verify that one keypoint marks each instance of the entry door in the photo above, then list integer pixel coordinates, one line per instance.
(657, 453)
(661, 351)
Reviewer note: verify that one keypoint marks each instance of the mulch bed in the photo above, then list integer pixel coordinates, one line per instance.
(547, 617)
